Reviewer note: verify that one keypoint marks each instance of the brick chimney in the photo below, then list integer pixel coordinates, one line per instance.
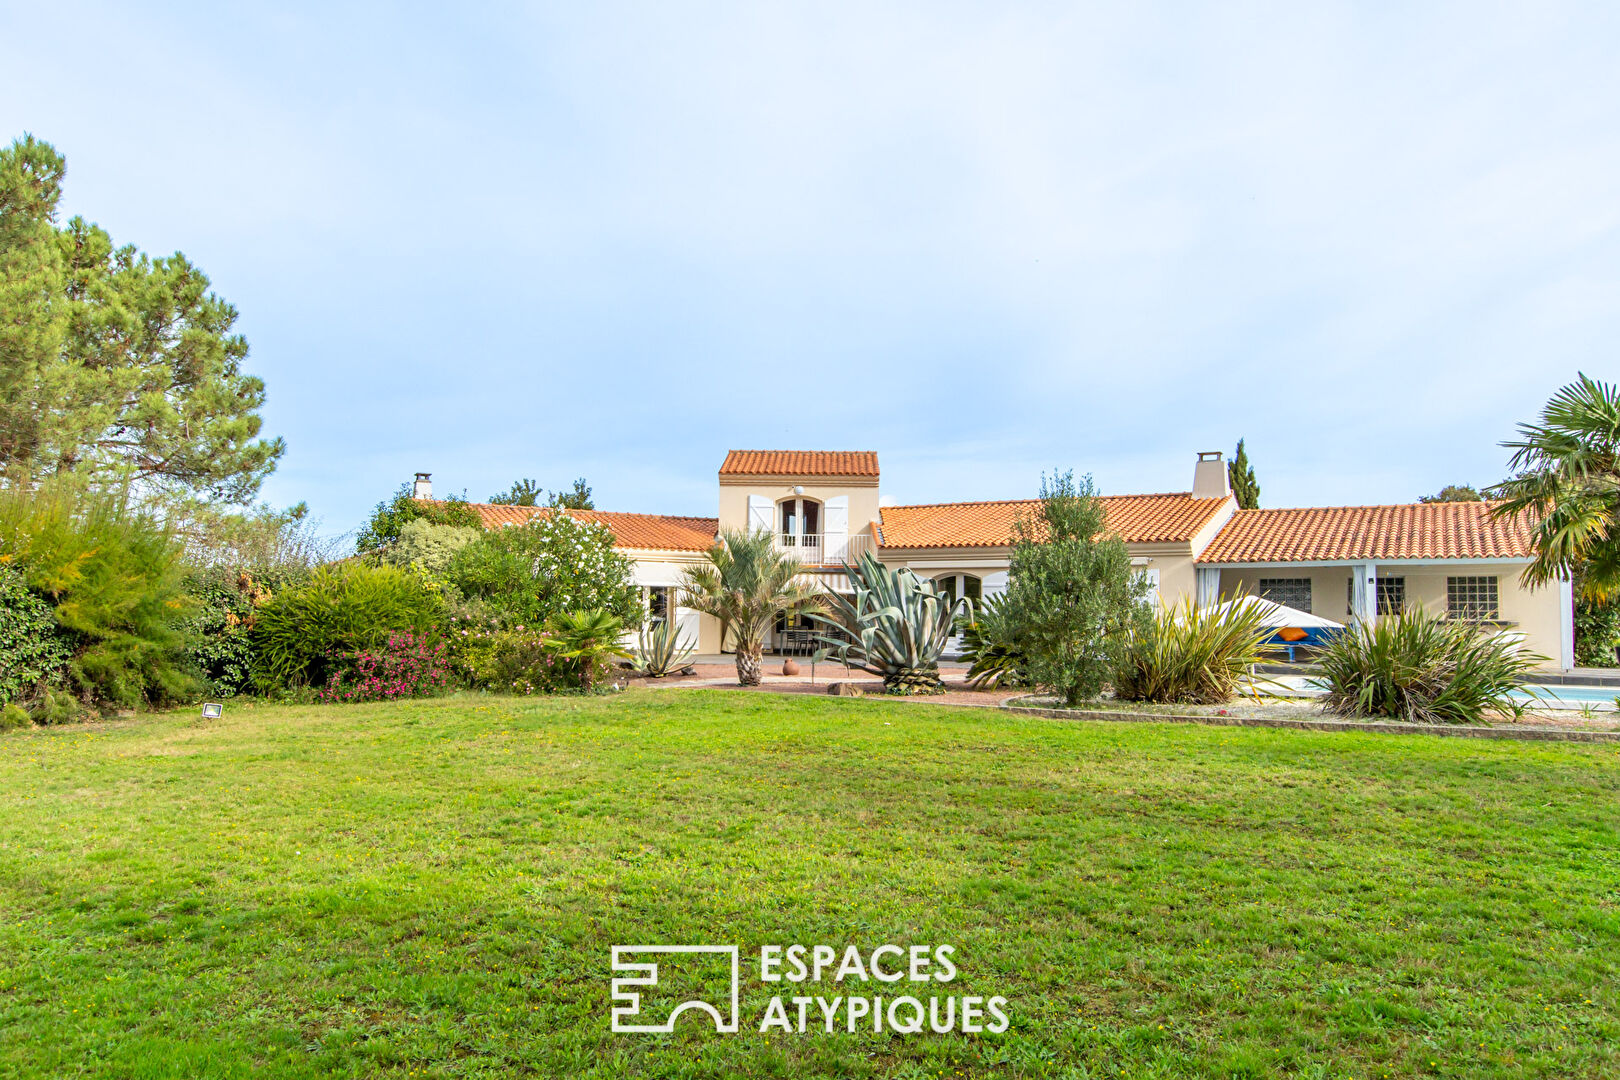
(1209, 476)
(423, 488)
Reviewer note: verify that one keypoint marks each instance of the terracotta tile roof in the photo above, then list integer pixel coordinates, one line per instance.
(1138, 519)
(800, 463)
(654, 532)
(1406, 531)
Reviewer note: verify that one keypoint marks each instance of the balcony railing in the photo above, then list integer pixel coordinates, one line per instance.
(813, 550)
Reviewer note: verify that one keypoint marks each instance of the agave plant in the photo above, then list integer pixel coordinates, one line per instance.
(896, 626)
(1194, 655)
(988, 647)
(659, 650)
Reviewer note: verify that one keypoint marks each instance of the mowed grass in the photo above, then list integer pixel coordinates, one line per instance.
(432, 889)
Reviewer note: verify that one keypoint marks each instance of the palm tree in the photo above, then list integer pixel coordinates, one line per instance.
(746, 585)
(589, 639)
(1567, 480)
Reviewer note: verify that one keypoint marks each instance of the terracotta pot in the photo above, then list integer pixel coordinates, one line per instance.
(789, 667)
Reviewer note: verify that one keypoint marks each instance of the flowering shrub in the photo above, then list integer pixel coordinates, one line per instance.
(342, 608)
(552, 564)
(407, 665)
(517, 661)
(427, 545)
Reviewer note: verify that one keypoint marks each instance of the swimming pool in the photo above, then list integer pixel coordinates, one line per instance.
(1547, 697)
(1569, 697)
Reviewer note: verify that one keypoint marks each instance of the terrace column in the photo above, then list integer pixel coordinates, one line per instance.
(1209, 586)
(1364, 591)
(1566, 624)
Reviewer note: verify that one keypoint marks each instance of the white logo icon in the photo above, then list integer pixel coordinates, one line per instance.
(724, 1022)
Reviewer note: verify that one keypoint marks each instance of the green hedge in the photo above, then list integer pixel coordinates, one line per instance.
(344, 607)
(33, 649)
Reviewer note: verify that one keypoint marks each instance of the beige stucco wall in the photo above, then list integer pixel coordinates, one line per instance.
(1174, 562)
(1533, 612)
(734, 492)
(1328, 585)
(929, 562)
(664, 568)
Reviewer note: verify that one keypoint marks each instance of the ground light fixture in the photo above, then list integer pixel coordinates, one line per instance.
(213, 710)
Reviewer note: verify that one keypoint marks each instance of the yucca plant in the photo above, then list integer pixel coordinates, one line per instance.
(746, 585)
(1192, 655)
(1417, 666)
(659, 650)
(586, 639)
(987, 645)
(895, 627)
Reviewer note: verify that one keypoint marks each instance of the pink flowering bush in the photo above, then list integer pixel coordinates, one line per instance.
(407, 665)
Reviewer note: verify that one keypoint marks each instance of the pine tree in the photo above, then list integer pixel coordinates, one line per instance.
(1454, 493)
(1241, 474)
(522, 493)
(116, 367)
(577, 499)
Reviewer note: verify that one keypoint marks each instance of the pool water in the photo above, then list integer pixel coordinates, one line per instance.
(1550, 697)
(1570, 697)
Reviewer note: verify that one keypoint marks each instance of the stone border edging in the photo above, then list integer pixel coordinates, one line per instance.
(1397, 728)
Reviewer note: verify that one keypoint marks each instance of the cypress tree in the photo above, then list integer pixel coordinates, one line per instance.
(1241, 474)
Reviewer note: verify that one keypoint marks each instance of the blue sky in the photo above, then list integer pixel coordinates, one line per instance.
(494, 241)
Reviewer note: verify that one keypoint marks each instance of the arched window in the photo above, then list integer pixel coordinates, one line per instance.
(798, 523)
(956, 586)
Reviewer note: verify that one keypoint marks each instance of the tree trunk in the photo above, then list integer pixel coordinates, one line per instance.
(914, 681)
(748, 664)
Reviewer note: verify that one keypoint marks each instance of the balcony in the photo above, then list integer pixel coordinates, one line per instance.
(811, 549)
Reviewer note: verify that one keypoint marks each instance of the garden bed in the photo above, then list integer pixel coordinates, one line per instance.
(1283, 714)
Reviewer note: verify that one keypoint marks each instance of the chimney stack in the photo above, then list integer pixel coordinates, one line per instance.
(1209, 476)
(423, 488)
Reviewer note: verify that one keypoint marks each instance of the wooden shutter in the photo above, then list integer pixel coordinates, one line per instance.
(835, 529)
(761, 514)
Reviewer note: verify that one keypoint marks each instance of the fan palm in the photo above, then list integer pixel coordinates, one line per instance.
(588, 639)
(1567, 480)
(747, 584)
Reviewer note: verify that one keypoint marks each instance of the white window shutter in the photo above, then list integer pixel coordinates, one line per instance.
(687, 624)
(994, 583)
(761, 514)
(835, 529)
(1151, 576)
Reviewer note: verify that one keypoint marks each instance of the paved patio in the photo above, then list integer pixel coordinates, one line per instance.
(722, 675)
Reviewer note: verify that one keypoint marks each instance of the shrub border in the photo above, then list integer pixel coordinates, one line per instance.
(1456, 731)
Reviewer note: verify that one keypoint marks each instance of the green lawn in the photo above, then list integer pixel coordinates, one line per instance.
(432, 889)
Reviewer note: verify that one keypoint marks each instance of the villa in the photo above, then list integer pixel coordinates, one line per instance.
(1339, 563)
